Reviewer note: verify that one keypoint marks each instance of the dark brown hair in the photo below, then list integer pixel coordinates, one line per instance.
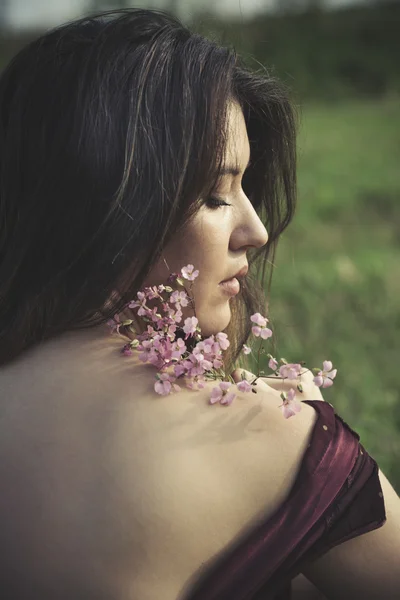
(112, 129)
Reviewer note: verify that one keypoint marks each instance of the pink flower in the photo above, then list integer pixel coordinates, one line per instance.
(190, 326)
(290, 371)
(146, 347)
(222, 340)
(127, 350)
(220, 394)
(152, 292)
(176, 316)
(263, 332)
(179, 370)
(189, 273)
(180, 298)
(290, 405)
(163, 386)
(244, 386)
(259, 319)
(273, 363)
(228, 399)
(114, 323)
(141, 302)
(324, 377)
(180, 348)
(246, 349)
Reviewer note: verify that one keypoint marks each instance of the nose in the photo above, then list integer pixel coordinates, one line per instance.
(250, 230)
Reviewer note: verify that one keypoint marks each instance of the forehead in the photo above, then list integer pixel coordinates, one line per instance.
(237, 150)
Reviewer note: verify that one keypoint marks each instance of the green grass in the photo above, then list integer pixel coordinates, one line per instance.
(336, 287)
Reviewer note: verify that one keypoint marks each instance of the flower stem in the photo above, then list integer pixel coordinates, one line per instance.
(258, 358)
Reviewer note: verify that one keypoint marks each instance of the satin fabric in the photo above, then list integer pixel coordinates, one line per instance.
(336, 496)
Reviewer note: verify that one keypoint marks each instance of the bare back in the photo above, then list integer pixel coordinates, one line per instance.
(117, 482)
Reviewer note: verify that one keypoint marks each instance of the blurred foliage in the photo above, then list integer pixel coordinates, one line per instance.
(320, 54)
(336, 288)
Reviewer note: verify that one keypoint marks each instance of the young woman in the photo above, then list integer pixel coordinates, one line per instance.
(129, 148)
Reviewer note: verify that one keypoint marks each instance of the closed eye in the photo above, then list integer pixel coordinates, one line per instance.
(216, 203)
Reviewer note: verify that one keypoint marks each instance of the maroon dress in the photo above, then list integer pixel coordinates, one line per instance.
(336, 496)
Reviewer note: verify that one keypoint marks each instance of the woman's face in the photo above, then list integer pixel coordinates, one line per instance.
(217, 238)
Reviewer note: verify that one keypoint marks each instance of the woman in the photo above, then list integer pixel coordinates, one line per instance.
(130, 148)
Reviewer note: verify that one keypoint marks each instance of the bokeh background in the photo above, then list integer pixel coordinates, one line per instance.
(336, 288)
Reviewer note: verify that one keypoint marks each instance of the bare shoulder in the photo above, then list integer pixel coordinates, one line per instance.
(144, 475)
(366, 566)
(186, 461)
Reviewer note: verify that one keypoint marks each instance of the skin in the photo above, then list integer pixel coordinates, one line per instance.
(217, 239)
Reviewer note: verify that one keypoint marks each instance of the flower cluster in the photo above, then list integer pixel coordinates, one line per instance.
(179, 353)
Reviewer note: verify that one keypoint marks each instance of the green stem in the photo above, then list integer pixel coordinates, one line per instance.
(258, 358)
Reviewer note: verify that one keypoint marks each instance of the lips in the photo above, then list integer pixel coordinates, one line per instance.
(238, 274)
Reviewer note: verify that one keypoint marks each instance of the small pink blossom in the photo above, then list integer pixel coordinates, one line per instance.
(189, 273)
(152, 292)
(146, 347)
(246, 349)
(180, 348)
(190, 326)
(227, 399)
(179, 297)
(265, 333)
(244, 386)
(222, 340)
(290, 405)
(273, 364)
(114, 324)
(179, 369)
(259, 320)
(176, 316)
(262, 332)
(324, 377)
(163, 385)
(290, 371)
(220, 394)
(216, 395)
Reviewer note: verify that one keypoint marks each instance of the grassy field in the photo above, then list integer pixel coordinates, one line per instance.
(336, 288)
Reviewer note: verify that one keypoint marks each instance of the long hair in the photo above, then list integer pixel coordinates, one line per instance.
(112, 131)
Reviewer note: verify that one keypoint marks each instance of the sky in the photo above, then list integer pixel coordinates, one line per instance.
(31, 13)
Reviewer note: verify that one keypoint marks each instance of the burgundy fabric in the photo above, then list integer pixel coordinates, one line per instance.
(336, 496)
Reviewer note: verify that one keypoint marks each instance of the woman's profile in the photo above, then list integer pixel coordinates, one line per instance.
(131, 147)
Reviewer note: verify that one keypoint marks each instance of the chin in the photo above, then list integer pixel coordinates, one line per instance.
(214, 320)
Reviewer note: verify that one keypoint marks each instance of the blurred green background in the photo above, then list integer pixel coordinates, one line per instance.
(336, 287)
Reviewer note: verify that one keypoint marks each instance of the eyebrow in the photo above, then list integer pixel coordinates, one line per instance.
(233, 170)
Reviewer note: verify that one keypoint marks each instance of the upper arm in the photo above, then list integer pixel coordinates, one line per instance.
(366, 566)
